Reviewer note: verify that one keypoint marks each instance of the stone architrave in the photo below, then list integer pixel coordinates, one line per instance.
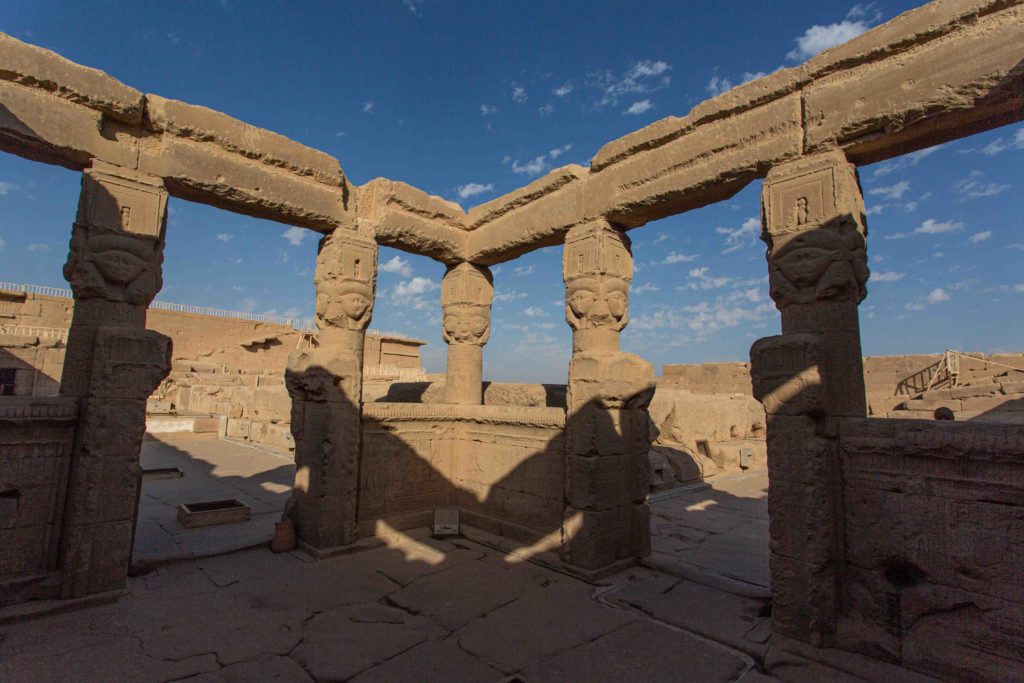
(466, 295)
(325, 385)
(607, 522)
(112, 366)
(813, 222)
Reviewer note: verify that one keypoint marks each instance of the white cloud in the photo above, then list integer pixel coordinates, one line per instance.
(522, 271)
(639, 107)
(414, 6)
(673, 257)
(1018, 288)
(535, 312)
(643, 77)
(546, 109)
(293, 312)
(1019, 246)
(937, 295)
(486, 109)
(410, 288)
(294, 235)
(877, 209)
(472, 189)
(519, 94)
(38, 246)
(933, 227)
(6, 188)
(980, 236)
(914, 306)
(368, 107)
(247, 305)
(887, 276)
(397, 264)
(226, 236)
(911, 159)
(562, 90)
(340, 134)
(737, 238)
(536, 166)
(660, 238)
(559, 151)
(818, 38)
(510, 295)
(973, 188)
(701, 280)
(3, 243)
(645, 287)
(892, 192)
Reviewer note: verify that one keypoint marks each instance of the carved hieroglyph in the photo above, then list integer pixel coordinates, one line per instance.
(346, 279)
(117, 241)
(813, 222)
(466, 295)
(597, 267)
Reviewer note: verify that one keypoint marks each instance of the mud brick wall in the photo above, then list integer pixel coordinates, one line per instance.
(934, 543)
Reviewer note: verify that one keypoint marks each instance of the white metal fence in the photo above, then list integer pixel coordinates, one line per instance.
(56, 333)
(302, 324)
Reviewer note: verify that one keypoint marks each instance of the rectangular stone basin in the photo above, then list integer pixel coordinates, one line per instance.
(162, 473)
(212, 512)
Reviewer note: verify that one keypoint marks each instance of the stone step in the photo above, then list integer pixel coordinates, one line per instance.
(174, 424)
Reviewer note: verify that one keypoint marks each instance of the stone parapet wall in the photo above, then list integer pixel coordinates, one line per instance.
(36, 436)
(503, 467)
(934, 543)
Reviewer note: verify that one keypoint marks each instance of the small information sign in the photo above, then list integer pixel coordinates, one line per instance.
(446, 522)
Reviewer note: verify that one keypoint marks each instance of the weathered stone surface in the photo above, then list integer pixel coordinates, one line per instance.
(36, 125)
(206, 125)
(432, 661)
(406, 218)
(206, 173)
(707, 164)
(534, 216)
(36, 67)
(964, 82)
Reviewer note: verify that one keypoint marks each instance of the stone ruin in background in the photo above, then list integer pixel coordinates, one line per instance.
(895, 544)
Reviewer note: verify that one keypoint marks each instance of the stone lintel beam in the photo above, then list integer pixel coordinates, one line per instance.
(534, 216)
(409, 219)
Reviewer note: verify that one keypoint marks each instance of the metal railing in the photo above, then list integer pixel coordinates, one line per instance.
(301, 324)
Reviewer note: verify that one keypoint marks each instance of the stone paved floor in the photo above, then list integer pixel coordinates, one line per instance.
(214, 470)
(416, 610)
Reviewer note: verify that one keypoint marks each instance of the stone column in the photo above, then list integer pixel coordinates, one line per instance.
(466, 295)
(808, 378)
(112, 365)
(607, 522)
(326, 386)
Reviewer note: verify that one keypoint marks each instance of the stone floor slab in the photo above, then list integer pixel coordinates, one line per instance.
(642, 651)
(266, 669)
(432, 661)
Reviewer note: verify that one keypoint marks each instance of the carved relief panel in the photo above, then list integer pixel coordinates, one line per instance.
(813, 222)
(466, 295)
(597, 267)
(346, 278)
(116, 248)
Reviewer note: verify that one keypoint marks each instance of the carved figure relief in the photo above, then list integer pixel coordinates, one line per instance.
(346, 275)
(818, 265)
(597, 267)
(466, 295)
(113, 267)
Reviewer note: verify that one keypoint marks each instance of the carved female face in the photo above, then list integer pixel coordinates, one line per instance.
(354, 305)
(595, 303)
(804, 260)
(118, 267)
(465, 324)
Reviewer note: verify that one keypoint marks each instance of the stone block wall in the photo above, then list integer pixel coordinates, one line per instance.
(36, 437)
(503, 467)
(934, 543)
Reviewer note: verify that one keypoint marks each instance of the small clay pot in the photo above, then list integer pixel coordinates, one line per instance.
(284, 537)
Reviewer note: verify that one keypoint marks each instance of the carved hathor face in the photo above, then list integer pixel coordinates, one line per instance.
(345, 303)
(804, 260)
(466, 324)
(597, 302)
(819, 265)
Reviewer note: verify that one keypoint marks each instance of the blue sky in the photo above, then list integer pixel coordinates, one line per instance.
(472, 100)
